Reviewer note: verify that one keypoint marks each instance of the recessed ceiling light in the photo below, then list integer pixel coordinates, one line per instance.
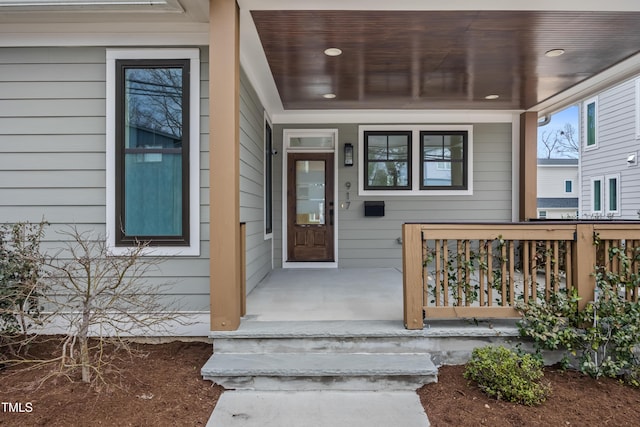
(329, 95)
(492, 97)
(553, 53)
(333, 51)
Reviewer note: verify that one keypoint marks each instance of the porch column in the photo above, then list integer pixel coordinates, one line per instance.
(224, 164)
(528, 166)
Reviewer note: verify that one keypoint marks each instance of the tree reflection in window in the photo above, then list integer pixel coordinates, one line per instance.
(388, 160)
(152, 129)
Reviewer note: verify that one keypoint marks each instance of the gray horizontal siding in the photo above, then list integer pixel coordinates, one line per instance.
(258, 250)
(52, 155)
(371, 242)
(616, 140)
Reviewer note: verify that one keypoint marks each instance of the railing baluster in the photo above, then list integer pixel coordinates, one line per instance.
(467, 270)
(556, 266)
(490, 273)
(526, 274)
(459, 270)
(438, 267)
(445, 271)
(504, 274)
(534, 269)
(481, 274)
(512, 282)
(425, 272)
(567, 265)
(547, 270)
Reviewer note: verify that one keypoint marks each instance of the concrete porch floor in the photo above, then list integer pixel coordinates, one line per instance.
(327, 294)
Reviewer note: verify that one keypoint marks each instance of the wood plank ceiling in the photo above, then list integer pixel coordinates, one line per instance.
(438, 60)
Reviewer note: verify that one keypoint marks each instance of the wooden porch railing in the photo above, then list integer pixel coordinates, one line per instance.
(482, 270)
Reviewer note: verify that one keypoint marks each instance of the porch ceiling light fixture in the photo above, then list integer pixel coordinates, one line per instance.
(554, 53)
(333, 51)
(490, 97)
(329, 95)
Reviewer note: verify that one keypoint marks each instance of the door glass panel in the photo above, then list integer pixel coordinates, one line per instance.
(310, 194)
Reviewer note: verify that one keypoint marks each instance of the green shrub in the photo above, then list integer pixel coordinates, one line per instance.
(602, 338)
(506, 375)
(21, 284)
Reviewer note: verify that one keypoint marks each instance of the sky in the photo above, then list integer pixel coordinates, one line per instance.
(558, 120)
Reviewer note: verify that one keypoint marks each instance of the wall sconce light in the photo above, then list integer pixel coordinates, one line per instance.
(348, 154)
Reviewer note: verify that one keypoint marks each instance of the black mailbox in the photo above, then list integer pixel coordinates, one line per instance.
(374, 208)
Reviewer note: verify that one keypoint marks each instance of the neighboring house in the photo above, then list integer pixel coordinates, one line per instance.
(610, 131)
(266, 97)
(558, 188)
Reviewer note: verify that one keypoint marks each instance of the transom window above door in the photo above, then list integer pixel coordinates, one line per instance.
(398, 160)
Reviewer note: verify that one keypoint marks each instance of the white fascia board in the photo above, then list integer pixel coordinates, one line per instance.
(541, 5)
(392, 116)
(104, 34)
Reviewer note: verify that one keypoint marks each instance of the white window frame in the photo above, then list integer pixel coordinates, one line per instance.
(416, 159)
(607, 207)
(593, 100)
(194, 148)
(602, 184)
(287, 134)
(637, 112)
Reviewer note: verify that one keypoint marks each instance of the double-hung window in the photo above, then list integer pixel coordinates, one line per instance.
(153, 150)
(444, 165)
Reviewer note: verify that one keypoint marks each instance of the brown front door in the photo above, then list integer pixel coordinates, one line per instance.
(310, 210)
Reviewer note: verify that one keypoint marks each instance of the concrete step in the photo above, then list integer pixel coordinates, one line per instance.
(320, 371)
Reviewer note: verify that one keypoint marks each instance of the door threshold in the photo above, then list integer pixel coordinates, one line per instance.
(319, 264)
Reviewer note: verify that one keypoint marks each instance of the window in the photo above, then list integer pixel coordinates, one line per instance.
(443, 160)
(268, 178)
(596, 195)
(613, 195)
(415, 160)
(387, 160)
(153, 150)
(543, 214)
(590, 120)
(568, 186)
(637, 108)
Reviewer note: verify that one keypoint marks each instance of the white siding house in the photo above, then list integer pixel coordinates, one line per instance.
(558, 188)
(610, 176)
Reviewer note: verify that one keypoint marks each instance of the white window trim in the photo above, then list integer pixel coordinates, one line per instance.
(194, 148)
(637, 112)
(286, 135)
(602, 190)
(266, 121)
(415, 160)
(593, 100)
(608, 211)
